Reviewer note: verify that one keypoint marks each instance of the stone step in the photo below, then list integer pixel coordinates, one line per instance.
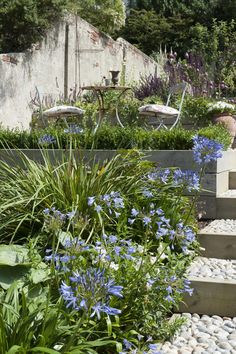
(226, 205)
(218, 239)
(214, 284)
(232, 179)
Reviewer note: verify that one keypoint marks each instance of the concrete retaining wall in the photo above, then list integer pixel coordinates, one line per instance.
(73, 54)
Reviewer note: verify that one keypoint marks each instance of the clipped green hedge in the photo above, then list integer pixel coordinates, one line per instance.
(114, 137)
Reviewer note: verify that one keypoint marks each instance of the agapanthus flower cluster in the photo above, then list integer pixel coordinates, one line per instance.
(206, 150)
(161, 174)
(63, 259)
(54, 218)
(73, 129)
(186, 179)
(46, 140)
(159, 226)
(169, 286)
(91, 290)
(131, 348)
(186, 235)
(115, 250)
(113, 202)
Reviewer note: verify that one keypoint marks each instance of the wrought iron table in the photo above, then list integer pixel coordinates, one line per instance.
(100, 93)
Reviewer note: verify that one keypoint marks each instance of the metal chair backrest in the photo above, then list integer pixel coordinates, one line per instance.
(181, 87)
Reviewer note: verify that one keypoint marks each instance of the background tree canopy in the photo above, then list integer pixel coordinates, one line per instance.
(24, 22)
(107, 15)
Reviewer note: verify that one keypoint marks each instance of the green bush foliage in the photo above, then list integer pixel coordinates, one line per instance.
(24, 22)
(195, 111)
(111, 137)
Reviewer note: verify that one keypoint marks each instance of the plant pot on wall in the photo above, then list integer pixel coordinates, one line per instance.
(228, 121)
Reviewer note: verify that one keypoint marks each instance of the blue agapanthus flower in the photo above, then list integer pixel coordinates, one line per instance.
(73, 129)
(46, 139)
(187, 178)
(91, 290)
(206, 150)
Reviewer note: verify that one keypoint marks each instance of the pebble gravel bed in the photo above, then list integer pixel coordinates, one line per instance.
(203, 335)
(221, 226)
(222, 269)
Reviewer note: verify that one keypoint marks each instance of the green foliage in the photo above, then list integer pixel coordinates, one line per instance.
(200, 10)
(107, 15)
(33, 315)
(114, 137)
(23, 22)
(70, 183)
(217, 47)
(106, 247)
(148, 31)
(194, 111)
(216, 132)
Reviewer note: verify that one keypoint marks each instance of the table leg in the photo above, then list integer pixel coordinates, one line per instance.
(100, 98)
(117, 107)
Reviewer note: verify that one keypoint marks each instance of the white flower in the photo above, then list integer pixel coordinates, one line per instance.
(220, 107)
(114, 266)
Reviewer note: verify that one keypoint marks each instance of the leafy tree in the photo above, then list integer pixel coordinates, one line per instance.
(225, 10)
(23, 22)
(217, 46)
(148, 31)
(201, 11)
(107, 15)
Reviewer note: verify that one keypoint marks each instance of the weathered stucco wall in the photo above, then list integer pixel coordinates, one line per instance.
(73, 54)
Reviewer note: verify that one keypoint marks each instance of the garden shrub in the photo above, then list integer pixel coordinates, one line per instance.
(194, 111)
(109, 137)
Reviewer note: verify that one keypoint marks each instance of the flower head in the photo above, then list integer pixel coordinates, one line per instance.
(206, 150)
(46, 139)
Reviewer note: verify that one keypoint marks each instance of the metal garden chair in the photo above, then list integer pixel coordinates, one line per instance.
(159, 115)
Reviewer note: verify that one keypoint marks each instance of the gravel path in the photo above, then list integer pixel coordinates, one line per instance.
(203, 334)
(213, 268)
(221, 226)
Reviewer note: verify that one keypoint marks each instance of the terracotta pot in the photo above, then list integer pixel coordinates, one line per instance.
(228, 121)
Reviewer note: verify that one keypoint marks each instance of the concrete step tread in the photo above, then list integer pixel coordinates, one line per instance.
(212, 269)
(214, 286)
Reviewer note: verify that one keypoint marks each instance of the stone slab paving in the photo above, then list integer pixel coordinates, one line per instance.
(203, 335)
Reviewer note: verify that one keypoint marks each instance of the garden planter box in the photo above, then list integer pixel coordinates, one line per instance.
(215, 180)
